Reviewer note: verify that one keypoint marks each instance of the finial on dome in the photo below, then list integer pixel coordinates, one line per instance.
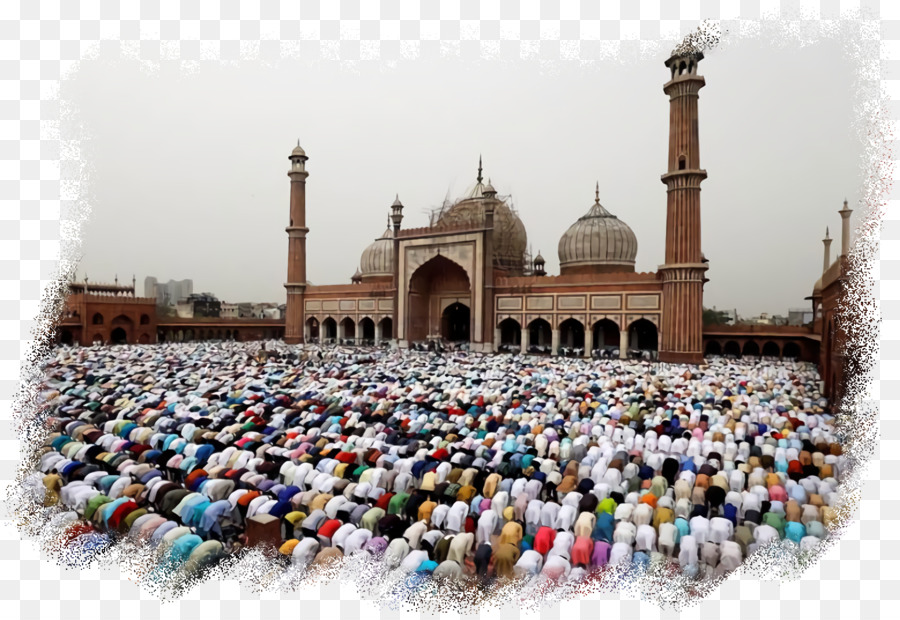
(597, 192)
(826, 233)
(479, 169)
(397, 202)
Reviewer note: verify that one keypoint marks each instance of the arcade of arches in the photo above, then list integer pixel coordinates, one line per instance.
(197, 332)
(571, 337)
(365, 331)
(782, 348)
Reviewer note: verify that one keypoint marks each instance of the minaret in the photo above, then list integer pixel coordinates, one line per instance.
(845, 229)
(683, 273)
(396, 219)
(296, 230)
(827, 243)
(487, 336)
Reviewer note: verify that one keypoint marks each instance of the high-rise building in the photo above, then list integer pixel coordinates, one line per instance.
(170, 293)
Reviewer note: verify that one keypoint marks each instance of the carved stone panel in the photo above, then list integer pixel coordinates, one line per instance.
(544, 302)
(606, 302)
(643, 302)
(570, 302)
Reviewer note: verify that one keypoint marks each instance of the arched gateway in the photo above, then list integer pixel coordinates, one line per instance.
(439, 302)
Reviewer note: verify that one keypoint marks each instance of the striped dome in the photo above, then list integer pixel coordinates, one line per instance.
(598, 239)
(378, 258)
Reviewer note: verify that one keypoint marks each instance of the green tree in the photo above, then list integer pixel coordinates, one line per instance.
(711, 316)
(164, 311)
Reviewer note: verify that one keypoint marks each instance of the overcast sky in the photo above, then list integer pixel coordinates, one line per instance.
(190, 175)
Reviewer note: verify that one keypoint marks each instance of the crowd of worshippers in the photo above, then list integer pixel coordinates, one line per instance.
(454, 465)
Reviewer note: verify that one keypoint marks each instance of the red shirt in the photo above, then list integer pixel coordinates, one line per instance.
(329, 528)
(543, 540)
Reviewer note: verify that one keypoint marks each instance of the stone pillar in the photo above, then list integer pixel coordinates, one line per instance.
(497, 341)
(554, 341)
(526, 339)
(378, 332)
(359, 332)
(623, 344)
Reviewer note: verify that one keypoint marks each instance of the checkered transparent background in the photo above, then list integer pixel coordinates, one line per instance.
(41, 42)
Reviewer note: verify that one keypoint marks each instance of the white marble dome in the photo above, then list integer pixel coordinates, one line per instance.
(598, 240)
(378, 258)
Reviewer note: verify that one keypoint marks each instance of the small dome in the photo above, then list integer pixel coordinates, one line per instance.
(298, 151)
(378, 258)
(539, 260)
(597, 241)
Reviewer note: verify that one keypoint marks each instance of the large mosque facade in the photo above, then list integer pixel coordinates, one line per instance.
(467, 276)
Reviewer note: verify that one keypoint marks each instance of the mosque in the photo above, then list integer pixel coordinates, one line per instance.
(468, 277)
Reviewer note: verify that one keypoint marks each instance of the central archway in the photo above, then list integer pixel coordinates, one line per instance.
(122, 330)
(436, 287)
(455, 322)
(118, 336)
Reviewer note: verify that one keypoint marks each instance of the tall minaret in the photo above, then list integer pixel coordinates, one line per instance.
(683, 273)
(396, 220)
(827, 243)
(296, 230)
(845, 229)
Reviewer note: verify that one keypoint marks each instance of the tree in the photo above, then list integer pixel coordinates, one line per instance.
(162, 310)
(711, 316)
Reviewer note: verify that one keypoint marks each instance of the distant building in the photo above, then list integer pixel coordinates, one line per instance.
(765, 319)
(265, 311)
(800, 316)
(245, 310)
(170, 293)
(229, 311)
(184, 310)
(204, 305)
